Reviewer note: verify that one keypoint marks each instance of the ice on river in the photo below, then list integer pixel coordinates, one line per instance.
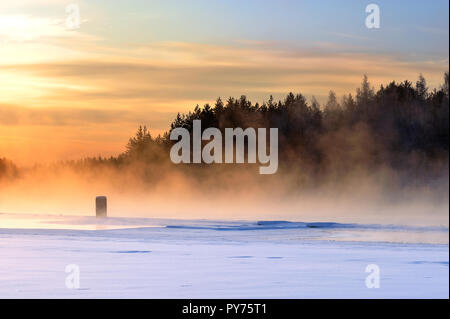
(157, 258)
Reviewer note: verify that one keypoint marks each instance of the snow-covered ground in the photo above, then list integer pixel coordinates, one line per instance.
(156, 258)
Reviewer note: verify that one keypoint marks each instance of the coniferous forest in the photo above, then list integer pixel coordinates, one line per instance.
(399, 127)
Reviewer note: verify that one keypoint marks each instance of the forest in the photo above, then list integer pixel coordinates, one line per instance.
(400, 127)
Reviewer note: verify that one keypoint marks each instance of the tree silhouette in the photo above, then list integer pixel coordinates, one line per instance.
(400, 126)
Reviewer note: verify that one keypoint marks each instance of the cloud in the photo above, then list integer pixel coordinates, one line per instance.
(102, 98)
(20, 115)
(23, 28)
(203, 72)
(349, 36)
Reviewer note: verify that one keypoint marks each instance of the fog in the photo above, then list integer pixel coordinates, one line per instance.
(233, 191)
(381, 157)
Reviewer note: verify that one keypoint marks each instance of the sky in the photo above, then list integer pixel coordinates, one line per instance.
(67, 93)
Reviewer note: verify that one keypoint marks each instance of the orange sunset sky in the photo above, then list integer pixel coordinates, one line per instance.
(69, 93)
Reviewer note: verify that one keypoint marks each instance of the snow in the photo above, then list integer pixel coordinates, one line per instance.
(158, 258)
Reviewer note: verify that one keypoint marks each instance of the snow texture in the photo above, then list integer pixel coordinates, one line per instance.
(157, 258)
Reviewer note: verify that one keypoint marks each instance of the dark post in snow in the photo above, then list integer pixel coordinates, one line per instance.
(100, 206)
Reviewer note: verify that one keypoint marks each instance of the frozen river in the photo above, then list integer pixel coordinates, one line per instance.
(156, 258)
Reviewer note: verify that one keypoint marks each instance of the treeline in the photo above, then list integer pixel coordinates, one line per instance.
(401, 126)
(402, 117)
(8, 169)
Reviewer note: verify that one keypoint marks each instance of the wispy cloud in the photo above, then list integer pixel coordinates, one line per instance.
(187, 71)
(349, 36)
(121, 68)
(26, 28)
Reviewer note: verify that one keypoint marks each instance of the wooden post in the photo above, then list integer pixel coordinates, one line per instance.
(100, 206)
